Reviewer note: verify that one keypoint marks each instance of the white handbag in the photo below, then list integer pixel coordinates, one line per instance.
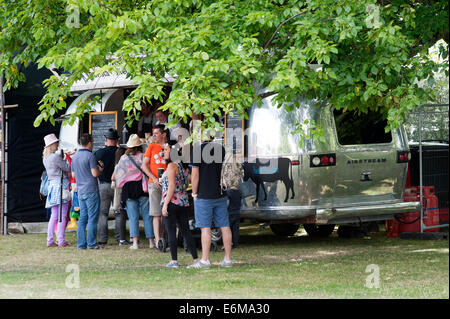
(66, 195)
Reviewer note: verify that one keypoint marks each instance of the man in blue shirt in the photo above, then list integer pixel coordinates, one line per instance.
(86, 172)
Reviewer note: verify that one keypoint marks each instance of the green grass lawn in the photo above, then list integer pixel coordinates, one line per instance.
(265, 266)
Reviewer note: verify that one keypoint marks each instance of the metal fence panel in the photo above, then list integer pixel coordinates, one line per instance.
(428, 132)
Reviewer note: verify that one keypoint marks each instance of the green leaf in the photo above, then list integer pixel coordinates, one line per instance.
(204, 56)
(366, 96)
(349, 79)
(332, 75)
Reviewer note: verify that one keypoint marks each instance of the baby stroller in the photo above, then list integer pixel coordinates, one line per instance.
(216, 236)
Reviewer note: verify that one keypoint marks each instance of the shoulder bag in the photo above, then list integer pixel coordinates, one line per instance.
(144, 176)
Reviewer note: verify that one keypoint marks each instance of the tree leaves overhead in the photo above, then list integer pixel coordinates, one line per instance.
(371, 54)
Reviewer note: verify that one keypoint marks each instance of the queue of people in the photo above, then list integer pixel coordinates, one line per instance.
(150, 183)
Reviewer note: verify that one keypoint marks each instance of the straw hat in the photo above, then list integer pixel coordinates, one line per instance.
(50, 139)
(134, 141)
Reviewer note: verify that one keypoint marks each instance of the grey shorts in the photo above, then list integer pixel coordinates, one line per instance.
(154, 196)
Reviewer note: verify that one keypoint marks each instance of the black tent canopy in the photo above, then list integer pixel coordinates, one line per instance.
(24, 148)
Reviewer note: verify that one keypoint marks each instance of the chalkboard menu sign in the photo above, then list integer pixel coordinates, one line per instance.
(234, 134)
(99, 124)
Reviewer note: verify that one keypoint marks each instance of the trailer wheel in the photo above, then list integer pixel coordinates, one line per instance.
(284, 229)
(319, 231)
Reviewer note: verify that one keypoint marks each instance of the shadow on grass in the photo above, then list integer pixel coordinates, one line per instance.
(254, 235)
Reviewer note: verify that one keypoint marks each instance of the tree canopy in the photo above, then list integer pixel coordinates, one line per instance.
(371, 54)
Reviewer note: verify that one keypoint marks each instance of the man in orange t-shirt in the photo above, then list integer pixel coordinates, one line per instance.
(154, 161)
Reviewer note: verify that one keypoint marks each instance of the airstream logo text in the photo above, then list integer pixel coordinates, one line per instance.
(365, 161)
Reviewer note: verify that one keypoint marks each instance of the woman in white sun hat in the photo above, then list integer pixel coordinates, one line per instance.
(58, 175)
(128, 175)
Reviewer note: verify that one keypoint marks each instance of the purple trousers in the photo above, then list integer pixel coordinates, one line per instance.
(61, 231)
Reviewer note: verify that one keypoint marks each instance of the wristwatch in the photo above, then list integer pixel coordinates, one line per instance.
(194, 195)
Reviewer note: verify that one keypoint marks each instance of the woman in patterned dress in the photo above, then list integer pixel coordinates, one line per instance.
(175, 204)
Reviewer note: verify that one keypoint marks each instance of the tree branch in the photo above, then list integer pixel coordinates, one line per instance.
(279, 27)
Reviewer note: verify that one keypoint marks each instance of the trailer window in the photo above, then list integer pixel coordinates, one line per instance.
(269, 131)
(353, 128)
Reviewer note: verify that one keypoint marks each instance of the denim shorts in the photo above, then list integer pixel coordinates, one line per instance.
(209, 210)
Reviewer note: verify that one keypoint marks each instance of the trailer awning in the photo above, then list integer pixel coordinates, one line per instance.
(102, 82)
(109, 81)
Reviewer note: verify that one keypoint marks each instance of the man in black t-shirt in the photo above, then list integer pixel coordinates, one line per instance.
(210, 202)
(107, 156)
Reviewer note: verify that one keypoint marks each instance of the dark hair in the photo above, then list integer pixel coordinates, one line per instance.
(85, 139)
(112, 134)
(162, 129)
(146, 103)
(171, 143)
(133, 150)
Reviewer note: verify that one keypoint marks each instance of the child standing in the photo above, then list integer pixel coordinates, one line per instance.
(234, 211)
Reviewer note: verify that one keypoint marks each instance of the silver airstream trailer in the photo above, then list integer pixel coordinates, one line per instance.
(356, 173)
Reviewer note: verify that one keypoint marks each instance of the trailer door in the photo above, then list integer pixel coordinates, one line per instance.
(367, 166)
